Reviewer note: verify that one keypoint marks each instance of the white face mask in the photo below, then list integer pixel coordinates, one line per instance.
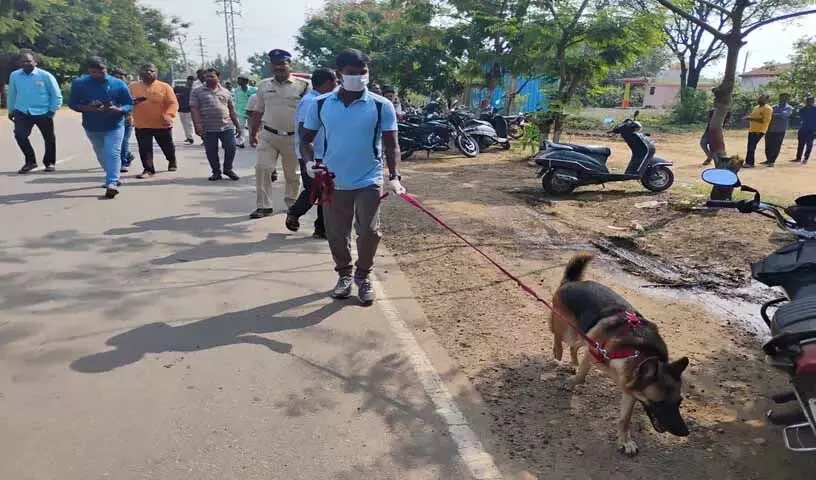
(355, 83)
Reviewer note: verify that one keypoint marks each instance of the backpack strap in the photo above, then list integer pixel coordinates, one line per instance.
(377, 128)
(305, 89)
(323, 126)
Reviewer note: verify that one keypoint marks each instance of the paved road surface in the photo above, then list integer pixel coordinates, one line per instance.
(163, 335)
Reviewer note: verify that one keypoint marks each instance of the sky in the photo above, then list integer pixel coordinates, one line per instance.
(268, 24)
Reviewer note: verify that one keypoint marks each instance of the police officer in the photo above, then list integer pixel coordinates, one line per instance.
(272, 130)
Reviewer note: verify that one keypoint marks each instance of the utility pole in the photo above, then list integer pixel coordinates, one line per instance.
(201, 50)
(181, 39)
(230, 8)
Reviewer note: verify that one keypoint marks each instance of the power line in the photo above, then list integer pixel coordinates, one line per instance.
(230, 9)
(201, 50)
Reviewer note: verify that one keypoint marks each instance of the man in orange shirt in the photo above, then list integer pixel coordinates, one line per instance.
(155, 108)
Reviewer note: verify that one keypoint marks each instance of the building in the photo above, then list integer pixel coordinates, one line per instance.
(759, 77)
(662, 91)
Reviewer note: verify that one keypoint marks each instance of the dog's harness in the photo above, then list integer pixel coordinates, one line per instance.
(599, 351)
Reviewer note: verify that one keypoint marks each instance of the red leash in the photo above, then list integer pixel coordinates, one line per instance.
(598, 352)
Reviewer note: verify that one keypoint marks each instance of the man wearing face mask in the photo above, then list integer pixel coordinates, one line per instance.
(272, 130)
(358, 125)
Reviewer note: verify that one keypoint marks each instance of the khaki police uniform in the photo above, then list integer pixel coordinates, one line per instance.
(277, 102)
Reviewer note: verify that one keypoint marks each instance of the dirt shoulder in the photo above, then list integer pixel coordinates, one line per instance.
(501, 342)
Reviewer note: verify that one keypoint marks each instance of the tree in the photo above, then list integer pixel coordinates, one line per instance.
(800, 80)
(744, 17)
(690, 43)
(405, 48)
(579, 43)
(20, 22)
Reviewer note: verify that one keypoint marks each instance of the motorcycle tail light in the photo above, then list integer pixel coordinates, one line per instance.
(806, 361)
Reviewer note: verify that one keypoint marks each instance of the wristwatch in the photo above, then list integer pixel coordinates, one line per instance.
(394, 176)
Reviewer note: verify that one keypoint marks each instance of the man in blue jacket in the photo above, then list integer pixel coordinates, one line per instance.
(33, 98)
(103, 101)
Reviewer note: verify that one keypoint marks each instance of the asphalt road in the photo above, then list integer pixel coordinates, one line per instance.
(164, 335)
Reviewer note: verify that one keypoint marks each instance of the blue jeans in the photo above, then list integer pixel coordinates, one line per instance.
(227, 139)
(108, 148)
(126, 145)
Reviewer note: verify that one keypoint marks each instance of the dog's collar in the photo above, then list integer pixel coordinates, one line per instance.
(633, 320)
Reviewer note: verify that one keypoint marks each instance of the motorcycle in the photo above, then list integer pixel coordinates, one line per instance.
(515, 125)
(566, 166)
(435, 133)
(489, 129)
(792, 348)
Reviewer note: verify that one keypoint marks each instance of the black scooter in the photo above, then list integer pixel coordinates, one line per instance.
(792, 349)
(566, 166)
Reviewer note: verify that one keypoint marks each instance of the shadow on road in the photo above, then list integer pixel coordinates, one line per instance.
(19, 198)
(227, 329)
(190, 223)
(212, 249)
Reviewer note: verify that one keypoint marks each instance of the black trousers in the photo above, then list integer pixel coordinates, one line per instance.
(23, 124)
(806, 138)
(302, 204)
(164, 137)
(753, 141)
(773, 144)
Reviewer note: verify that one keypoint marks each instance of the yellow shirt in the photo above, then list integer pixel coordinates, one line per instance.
(278, 101)
(160, 107)
(762, 116)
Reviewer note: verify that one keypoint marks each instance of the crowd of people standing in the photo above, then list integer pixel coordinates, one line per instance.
(332, 123)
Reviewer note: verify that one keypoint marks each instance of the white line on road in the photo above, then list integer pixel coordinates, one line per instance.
(470, 449)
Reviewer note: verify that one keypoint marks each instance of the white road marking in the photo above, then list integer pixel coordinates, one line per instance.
(478, 461)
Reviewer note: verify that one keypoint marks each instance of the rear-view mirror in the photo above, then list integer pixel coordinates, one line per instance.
(720, 177)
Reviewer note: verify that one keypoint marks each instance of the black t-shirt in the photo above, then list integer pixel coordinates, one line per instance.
(183, 96)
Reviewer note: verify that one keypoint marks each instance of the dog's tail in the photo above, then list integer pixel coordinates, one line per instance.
(575, 267)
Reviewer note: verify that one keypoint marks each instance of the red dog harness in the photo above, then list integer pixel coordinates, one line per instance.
(322, 186)
(602, 355)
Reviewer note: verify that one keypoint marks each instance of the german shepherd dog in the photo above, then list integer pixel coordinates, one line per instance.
(634, 355)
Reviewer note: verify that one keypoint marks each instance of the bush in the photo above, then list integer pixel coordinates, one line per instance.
(692, 108)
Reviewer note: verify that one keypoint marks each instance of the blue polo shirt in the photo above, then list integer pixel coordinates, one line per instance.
(807, 116)
(300, 117)
(353, 141)
(36, 93)
(86, 89)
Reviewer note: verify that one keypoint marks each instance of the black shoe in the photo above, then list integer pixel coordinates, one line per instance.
(261, 213)
(319, 234)
(146, 175)
(172, 167)
(124, 169)
(111, 191)
(240, 145)
(764, 163)
(232, 175)
(29, 167)
(130, 158)
(50, 168)
(215, 177)
(274, 175)
(189, 141)
(769, 165)
(292, 223)
(795, 160)
(749, 165)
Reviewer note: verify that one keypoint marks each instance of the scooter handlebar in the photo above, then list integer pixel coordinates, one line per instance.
(723, 204)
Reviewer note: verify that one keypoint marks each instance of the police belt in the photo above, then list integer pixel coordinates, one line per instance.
(283, 134)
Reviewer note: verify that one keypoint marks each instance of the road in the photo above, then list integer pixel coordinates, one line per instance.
(164, 335)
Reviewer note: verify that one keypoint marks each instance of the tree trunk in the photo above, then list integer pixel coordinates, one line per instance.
(693, 77)
(683, 78)
(722, 103)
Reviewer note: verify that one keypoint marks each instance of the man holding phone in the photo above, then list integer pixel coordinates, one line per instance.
(103, 101)
(154, 111)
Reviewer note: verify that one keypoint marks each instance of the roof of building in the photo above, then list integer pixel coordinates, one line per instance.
(768, 70)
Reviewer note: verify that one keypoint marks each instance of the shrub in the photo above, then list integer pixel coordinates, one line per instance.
(692, 108)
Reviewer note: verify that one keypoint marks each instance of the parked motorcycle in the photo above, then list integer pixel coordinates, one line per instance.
(792, 348)
(515, 125)
(566, 166)
(435, 133)
(490, 129)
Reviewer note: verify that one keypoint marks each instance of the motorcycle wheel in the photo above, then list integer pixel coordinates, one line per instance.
(506, 145)
(658, 179)
(405, 155)
(555, 185)
(467, 145)
(515, 131)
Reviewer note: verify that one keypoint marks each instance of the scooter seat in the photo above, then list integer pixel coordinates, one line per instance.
(795, 317)
(590, 150)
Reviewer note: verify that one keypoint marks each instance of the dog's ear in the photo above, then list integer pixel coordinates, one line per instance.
(645, 374)
(676, 368)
